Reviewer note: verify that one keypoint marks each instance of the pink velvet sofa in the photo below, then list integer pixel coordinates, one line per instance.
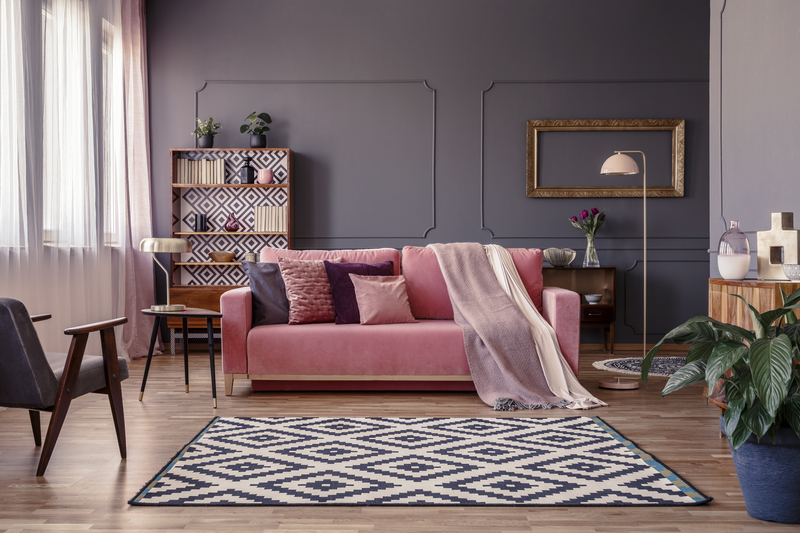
(425, 355)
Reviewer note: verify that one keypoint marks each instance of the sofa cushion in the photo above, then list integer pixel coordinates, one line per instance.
(382, 299)
(427, 290)
(345, 304)
(371, 256)
(308, 290)
(270, 305)
(425, 348)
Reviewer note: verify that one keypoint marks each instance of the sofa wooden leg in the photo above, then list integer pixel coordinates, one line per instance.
(228, 384)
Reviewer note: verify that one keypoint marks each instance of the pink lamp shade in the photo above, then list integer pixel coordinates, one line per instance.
(619, 164)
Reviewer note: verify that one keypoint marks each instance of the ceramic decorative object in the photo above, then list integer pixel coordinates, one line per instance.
(205, 141)
(258, 141)
(792, 271)
(251, 257)
(590, 260)
(593, 298)
(733, 253)
(781, 244)
(221, 256)
(559, 257)
(265, 176)
(231, 224)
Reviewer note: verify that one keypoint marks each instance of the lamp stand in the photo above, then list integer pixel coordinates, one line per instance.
(644, 246)
(174, 308)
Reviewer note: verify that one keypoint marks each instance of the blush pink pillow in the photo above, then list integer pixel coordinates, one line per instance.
(308, 290)
(382, 299)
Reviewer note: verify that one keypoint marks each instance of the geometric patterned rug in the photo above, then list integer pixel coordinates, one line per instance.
(661, 366)
(576, 461)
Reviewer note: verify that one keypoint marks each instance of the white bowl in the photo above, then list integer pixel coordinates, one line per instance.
(559, 257)
(792, 271)
(593, 298)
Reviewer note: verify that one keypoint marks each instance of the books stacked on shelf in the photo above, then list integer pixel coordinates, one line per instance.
(271, 218)
(205, 172)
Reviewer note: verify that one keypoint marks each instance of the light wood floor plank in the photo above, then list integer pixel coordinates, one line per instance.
(87, 485)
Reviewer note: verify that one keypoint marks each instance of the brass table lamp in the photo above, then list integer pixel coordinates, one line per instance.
(169, 246)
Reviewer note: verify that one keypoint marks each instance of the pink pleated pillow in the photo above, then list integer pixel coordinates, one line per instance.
(308, 290)
(382, 299)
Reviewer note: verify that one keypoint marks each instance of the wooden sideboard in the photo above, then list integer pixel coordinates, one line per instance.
(761, 294)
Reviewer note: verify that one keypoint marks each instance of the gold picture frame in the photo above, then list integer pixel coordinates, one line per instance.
(676, 126)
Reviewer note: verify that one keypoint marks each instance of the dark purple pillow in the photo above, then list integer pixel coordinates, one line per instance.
(344, 295)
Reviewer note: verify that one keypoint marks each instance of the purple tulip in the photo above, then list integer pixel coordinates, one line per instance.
(574, 219)
(595, 211)
(603, 216)
(584, 214)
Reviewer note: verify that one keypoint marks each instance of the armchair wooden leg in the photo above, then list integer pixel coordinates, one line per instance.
(111, 366)
(72, 367)
(228, 384)
(37, 427)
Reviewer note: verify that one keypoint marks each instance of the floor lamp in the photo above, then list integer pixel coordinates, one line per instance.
(620, 164)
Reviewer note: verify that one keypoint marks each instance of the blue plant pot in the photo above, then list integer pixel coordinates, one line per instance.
(768, 475)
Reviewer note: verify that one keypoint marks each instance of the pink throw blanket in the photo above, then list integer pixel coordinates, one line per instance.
(497, 337)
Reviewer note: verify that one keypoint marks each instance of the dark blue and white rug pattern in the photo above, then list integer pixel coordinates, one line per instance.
(661, 366)
(415, 461)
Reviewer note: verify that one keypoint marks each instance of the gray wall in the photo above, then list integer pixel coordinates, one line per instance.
(758, 42)
(408, 120)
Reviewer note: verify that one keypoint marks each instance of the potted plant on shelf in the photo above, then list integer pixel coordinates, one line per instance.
(256, 126)
(205, 132)
(756, 374)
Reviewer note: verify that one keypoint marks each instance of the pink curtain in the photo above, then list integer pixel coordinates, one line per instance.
(139, 283)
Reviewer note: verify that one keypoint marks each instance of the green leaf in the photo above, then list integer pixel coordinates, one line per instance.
(793, 412)
(265, 117)
(739, 435)
(771, 316)
(735, 332)
(755, 316)
(792, 331)
(746, 386)
(732, 414)
(771, 365)
(791, 299)
(689, 374)
(724, 356)
(757, 419)
(692, 332)
(243, 128)
(700, 351)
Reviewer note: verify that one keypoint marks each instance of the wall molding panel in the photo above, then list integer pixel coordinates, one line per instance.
(432, 224)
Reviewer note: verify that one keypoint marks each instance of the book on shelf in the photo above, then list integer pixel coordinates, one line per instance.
(271, 218)
(203, 172)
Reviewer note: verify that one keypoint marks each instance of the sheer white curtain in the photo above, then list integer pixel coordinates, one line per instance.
(64, 192)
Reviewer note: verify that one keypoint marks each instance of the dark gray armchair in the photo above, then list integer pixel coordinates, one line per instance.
(36, 381)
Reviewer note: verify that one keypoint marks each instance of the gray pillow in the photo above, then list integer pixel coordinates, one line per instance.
(270, 305)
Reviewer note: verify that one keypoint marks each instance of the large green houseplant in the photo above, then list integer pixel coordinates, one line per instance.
(759, 374)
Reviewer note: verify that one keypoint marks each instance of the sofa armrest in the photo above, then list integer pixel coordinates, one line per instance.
(562, 310)
(236, 307)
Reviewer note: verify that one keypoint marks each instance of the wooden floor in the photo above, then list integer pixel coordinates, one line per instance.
(87, 485)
